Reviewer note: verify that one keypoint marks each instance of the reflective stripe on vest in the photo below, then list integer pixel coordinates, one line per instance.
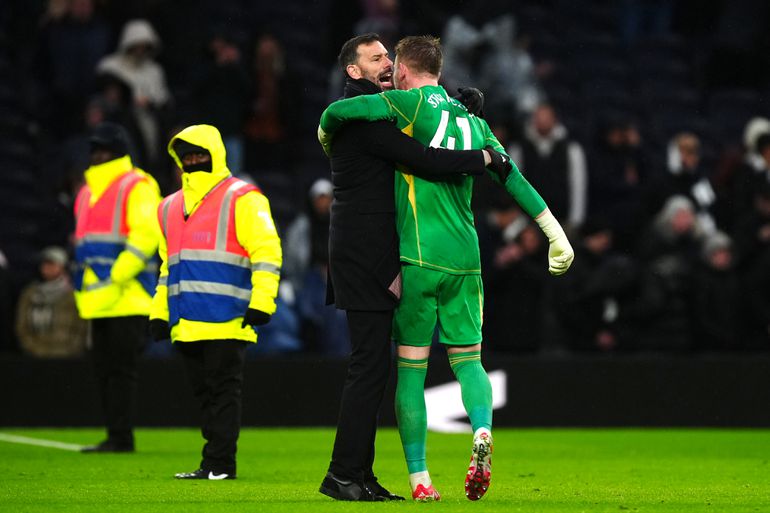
(209, 272)
(101, 237)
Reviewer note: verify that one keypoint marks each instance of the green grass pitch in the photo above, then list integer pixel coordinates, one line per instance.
(534, 470)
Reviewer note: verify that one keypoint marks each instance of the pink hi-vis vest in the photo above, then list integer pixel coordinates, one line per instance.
(209, 272)
(101, 231)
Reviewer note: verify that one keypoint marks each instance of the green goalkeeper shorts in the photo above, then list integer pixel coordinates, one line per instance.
(455, 302)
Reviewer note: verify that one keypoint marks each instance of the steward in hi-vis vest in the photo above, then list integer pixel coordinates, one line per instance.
(221, 263)
(116, 238)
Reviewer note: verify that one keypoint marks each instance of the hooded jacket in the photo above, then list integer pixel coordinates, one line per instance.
(145, 76)
(121, 293)
(255, 232)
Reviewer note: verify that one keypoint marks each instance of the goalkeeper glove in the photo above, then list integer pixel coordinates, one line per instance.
(560, 253)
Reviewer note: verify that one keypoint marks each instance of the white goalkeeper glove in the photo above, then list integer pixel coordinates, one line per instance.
(560, 253)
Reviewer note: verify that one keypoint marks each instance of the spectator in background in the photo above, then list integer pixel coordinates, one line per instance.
(512, 253)
(493, 59)
(588, 298)
(306, 270)
(617, 179)
(752, 231)
(68, 159)
(72, 40)
(754, 128)
(221, 93)
(660, 313)
(685, 176)
(114, 102)
(554, 164)
(753, 177)
(736, 168)
(273, 111)
(716, 297)
(135, 64)
(47, 321)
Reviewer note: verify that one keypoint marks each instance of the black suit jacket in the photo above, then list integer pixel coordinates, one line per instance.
(363, 243)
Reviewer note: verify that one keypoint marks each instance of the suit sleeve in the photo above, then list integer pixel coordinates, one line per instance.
(387, 142)
(256, 232)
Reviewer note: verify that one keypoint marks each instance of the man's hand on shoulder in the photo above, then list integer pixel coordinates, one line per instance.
(473, 99)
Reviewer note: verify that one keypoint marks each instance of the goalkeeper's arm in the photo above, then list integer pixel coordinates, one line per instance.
(560, 253)
(371, 107)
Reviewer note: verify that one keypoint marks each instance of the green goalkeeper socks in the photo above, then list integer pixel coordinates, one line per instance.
(411, 413)
(475, 386)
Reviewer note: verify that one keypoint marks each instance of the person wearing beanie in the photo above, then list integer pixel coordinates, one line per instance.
(221, 263)
(116, 238)
(47, 322)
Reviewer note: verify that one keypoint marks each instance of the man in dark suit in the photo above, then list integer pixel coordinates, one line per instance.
(364, 266)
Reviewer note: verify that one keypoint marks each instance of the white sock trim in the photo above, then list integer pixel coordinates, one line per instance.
(419, 478)
(482, 430)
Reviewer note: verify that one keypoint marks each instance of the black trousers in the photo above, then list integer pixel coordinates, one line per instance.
(215, 370)
(367, 377)
(117, 344)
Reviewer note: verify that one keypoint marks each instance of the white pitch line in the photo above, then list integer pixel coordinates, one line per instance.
(16, 439)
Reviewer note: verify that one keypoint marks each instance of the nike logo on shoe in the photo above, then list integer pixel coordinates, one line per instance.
(217, 477)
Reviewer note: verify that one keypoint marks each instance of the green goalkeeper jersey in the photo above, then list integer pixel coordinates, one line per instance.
(434, 219)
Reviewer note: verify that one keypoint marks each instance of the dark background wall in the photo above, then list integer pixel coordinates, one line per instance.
(729, 391)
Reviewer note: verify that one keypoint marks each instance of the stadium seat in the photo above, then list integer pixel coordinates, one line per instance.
(664, 47)
(730, 110)
(659, 69)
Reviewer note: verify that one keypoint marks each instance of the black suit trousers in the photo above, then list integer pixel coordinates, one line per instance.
(215, 370)
(117, 344)
(367, 377)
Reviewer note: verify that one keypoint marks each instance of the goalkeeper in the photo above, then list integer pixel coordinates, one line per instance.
(440, 254)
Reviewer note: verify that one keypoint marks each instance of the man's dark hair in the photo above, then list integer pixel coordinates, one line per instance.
(349, 52)
(421, 53)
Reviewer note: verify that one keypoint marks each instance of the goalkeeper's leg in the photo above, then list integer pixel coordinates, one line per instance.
(413, 419)
(477, 399)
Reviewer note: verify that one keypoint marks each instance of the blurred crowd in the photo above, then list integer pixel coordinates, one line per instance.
(643, 123)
